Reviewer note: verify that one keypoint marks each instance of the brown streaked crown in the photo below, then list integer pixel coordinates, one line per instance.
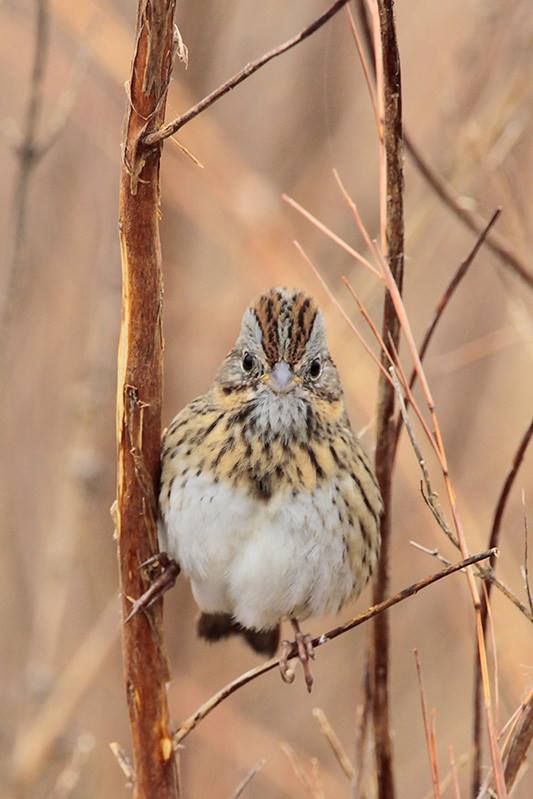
(286, 318)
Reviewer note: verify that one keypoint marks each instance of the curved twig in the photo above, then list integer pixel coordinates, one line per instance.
(172, 127)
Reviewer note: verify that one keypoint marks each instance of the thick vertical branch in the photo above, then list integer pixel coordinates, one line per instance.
(392, 131)
(139, 399)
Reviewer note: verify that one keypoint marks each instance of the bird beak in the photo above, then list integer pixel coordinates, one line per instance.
(281, 377)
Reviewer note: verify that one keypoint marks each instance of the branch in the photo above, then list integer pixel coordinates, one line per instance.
(192, 722)
(391, 196)
(172, 127)
(493, 542)
(139, 400)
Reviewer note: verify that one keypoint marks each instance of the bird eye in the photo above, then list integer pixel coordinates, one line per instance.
(247, 361)
(315, 369)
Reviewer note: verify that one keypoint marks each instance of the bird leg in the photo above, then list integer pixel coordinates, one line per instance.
(162, 571)
(304, 647)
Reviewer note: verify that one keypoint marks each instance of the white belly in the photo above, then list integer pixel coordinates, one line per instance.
(260, 561)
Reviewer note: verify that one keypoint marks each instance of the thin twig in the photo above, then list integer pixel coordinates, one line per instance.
(242, 786)
(172, 127)
(493, 541)
(441, 307)
(484, 574)
(191, 723)
(124, 762)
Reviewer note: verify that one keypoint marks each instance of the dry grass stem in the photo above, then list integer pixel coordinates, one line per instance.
(333, 740)
(242, 786)
(428, 732)
(341, 310)
(309, 778)
(172, 127)
(331, 235)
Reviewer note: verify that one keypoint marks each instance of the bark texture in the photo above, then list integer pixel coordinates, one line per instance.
(139, 399)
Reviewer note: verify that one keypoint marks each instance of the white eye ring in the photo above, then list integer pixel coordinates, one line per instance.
(315, 369)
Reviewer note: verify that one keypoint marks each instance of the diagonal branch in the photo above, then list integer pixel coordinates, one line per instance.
(192, 722)
(172, 127)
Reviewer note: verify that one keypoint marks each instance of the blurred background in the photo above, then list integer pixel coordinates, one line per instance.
(227, 235)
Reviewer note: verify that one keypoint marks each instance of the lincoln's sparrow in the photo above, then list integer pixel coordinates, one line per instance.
(268, 502)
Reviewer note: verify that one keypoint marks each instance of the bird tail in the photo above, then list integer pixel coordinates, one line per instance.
(214, 627)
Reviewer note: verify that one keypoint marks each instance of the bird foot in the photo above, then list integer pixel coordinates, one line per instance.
(305, 652)
(162, 571)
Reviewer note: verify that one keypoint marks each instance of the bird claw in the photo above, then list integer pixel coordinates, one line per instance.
(305, 652)
(286, 671)
(168, 570)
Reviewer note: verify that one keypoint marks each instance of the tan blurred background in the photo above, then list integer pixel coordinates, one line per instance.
(227, 235)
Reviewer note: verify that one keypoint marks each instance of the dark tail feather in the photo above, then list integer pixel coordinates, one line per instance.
(265, 642)
(217, 626)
